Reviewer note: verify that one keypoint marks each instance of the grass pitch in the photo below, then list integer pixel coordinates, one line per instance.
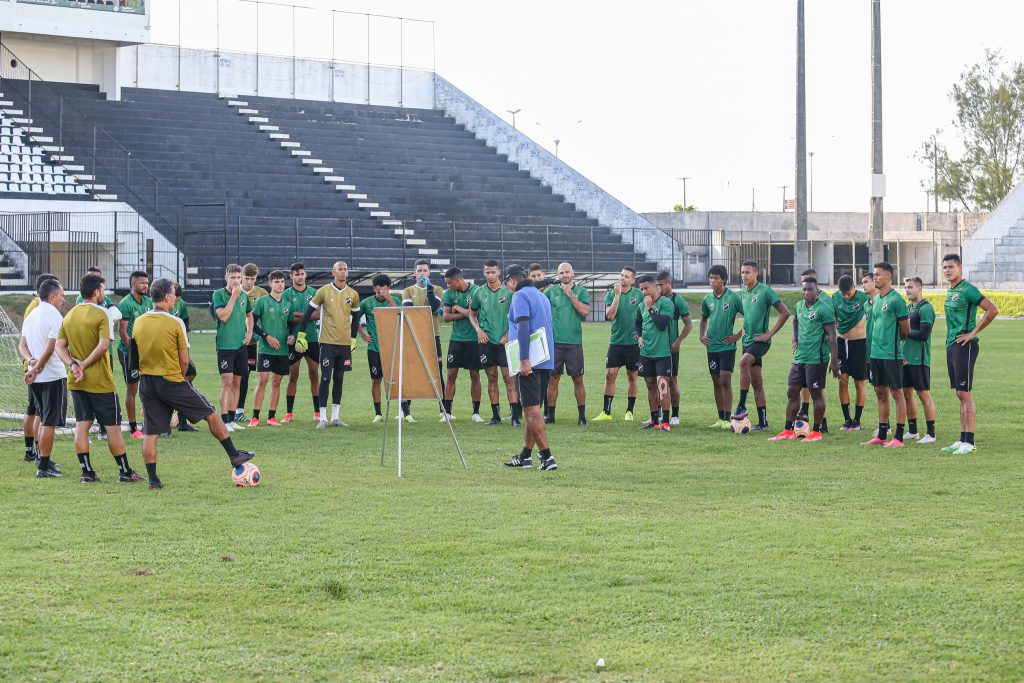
(691, 555)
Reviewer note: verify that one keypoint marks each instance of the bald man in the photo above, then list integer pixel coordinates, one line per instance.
(570, 306)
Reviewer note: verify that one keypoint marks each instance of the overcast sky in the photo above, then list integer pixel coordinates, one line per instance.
(643, 93)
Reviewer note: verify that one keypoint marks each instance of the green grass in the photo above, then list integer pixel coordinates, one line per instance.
(691, 555)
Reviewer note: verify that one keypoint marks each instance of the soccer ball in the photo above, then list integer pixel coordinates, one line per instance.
(246, 474)
(801, 429)
(741, 425)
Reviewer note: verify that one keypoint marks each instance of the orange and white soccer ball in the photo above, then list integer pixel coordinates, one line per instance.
(741, 425)
(801, 429)
(246, 474)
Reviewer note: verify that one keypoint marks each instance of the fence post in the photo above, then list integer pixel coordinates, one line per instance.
(455, 249)
(60, 125)
(634, 247)
(768, 273)
(993, 262)
(547, 246)
(94, 153)
(351, 241)
(501, 233)
(115, 251)
(296, 238)
(593, 260)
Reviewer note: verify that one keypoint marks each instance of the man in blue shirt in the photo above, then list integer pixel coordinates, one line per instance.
(530, 311)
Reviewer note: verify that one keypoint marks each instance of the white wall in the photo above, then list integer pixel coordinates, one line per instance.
(74, 22)
(63, 60)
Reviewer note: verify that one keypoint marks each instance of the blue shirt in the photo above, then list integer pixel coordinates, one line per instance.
(529, 302)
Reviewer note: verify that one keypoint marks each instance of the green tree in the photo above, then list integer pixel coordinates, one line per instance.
(679, 207)
(989, 122)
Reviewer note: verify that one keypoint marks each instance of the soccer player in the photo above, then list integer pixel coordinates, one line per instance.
(462, 344)
(274, 326)
(31, 421)
(382, 296)
(681, 311)
(962, 329)
(159, 355)
(249, 274)
(488, 308)
(299, 295)
(889, 326)
(815, 355)
(335, 302)
(717, 319)
(83, 344)
(233, 314)
(851, 310)
(655, 344)
(44, 372)
(180, 311)
(805, 394)
(132, 307)
(530, 312)
(570, 306)
(917, 360)
(757, 301)
(622, 308)
(425, 294)
(537, 276)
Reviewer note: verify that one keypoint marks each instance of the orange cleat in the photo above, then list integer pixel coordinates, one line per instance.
(288, 417)
(813, 436)
(272, 422)
(255, 422)
(784, 435)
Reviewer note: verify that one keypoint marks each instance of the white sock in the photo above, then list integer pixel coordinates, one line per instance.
(335, 410)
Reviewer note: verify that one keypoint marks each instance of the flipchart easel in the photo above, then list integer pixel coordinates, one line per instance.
(407, 373)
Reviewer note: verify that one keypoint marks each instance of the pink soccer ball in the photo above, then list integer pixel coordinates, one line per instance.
(246, 474)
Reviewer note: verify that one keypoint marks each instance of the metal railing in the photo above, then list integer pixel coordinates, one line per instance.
(126, 6)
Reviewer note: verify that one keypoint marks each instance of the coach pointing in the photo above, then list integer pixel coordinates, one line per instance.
(530, 311)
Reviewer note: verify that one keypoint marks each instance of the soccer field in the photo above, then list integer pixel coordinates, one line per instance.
(695, 554)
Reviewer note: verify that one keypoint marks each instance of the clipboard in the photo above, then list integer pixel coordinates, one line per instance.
(539, 351)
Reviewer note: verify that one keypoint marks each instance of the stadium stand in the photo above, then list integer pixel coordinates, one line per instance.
(25, 169)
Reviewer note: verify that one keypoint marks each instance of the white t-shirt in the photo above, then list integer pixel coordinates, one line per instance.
(42, 325)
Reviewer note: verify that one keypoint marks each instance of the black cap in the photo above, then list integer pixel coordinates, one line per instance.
(515, 270)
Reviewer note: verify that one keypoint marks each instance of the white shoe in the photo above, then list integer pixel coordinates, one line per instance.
(238, 426)
(965, 449)
(477, 418)
(953, 447)
(338, 423)
(377, 418)
(445, 418)
(926, 439)
(410, 419)
(230, 426)
(911, 437)
(674, 421)
(322, 424)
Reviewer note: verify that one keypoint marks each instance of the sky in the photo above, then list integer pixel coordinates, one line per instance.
(641, 94)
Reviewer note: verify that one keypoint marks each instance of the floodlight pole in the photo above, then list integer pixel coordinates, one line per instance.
(876, 232)
(801, 250)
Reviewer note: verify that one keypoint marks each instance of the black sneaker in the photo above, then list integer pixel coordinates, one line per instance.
(519, 461)
(155, 484)
(739, 414)
(761, 428)
(49, 472)
(493, 421)
(548, 420)
(549, 464)
(517, 423)
(186, 427)
(132, 477)
(30, 457)
(582, 422)
(53, 465)
(91, 478)
(801, 416)
(243, 457)
(824, 428)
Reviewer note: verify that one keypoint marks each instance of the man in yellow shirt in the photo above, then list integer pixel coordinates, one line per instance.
(83, 343)
(159, 355)
(335, 302)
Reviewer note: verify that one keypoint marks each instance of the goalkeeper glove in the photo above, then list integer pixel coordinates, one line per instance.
(301, 345)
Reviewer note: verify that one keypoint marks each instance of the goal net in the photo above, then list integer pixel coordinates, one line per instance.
(13, 390)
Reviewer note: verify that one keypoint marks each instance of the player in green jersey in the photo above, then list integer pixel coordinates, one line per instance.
(805, 394)
(382, 297)
(463, 351)
(889, 326)
(274, 326)
(962, 329)
(622, 307)
(299, 295)
(233, 315)
(917, 361)
(718, 314)
(680, 311)
(250, 272)
(651, 329)
(131, 308)
(570, 306)
(851, 306)
(489, 308)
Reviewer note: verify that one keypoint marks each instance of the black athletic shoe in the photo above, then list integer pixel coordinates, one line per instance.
(547, 465)
(30, 457)
(91, 478)
(49, 472)
(186, 428)
(761, 428)
(132, 477)
(243, 457)
(801, 416)
(739, 414)
(493, 421)
(548, 420)
(517, 423)
(582, 422)
(155, 484)
(53, 465)
(824, 428)
(518, 461)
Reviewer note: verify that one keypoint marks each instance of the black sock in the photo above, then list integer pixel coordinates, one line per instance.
(655, 416)
(229, 447)
(969, 437)
(817, 426)
(447, 404)
(743, 399)
(316, 403)
(963, 437)
(883, 430)
(376, 407)
(762, 415)
(525, 453)
(289, 401)
(256, 413)
(476, 407)
(911, 425)
(789, 425)
(133, 427)
(582, 410)
(28, 445)
(243, 392)
(664, 416)
(608, 404)
(630, 403)
(151, 471)
(517, 410)
(931, 427)
(496, 411)
(858, 412)
(804, 407)
(846, 412)
(544, 454)
(44, 462)
(122, 463)
(407, 408)
(899, 431)
(675, 411)
(83, 460)
(824, 423)
(226, 417)
(723, 414)
(271, 414)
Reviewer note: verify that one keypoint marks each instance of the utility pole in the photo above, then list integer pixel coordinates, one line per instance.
(684, 179)
(876, 228)
(783, 188)
(935, 172)
(557, 143)
(513, 112)
(801, 249)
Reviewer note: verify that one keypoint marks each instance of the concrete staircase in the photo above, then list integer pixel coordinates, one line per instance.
(994, 254)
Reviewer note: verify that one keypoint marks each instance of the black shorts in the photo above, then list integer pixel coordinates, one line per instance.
(335, 355)
(161, 397)
(917, 377)
(960, 360)
(233, 361)
(655, 367)
(251, 353)
(464, 354)
(51, 400)
(373, 360)
(568, 359)
(757, 350)
(721, 361)
(623, 355)
(853, 358)
(533, 388)
(808, 375)
(887, 372)
(675, 364)
(31, 408)
(492, 355)
(131, 376)
(312, 352)
(103, 409)
(278, 365)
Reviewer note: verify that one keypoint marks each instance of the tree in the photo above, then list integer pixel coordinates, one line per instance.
(989, 121)
(679, 207)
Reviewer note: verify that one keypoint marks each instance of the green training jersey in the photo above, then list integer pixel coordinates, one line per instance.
(680, 310)
(886, 313)
(366, 309)
(630, 302)
(298, 302)
(131, 310)
(107, 302)
(917, 352)
(811, 341)
(657, 343)
(721, 312)
(274, 317)
(180, 309)
(462, 329)
(492, 307)
(850, 311)
(756, 305)
(231, 333)
(961, 309)
(565, 318)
